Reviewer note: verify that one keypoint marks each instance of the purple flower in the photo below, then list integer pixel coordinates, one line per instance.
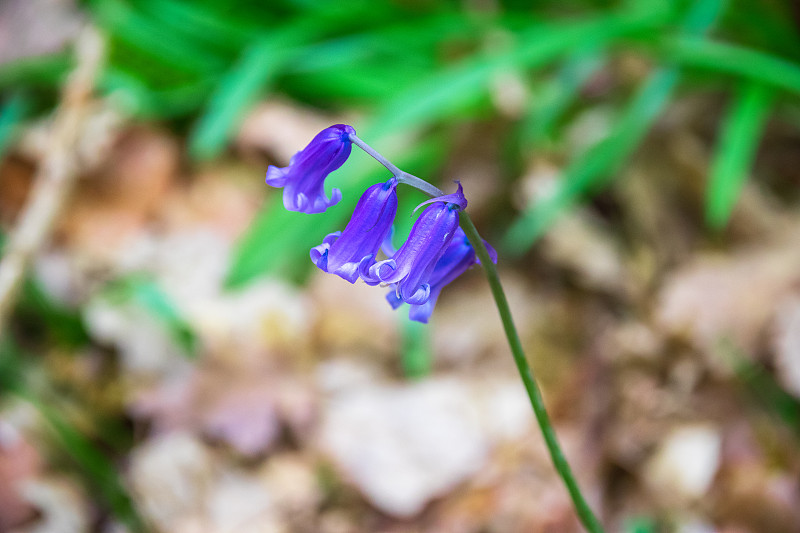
(457, 258)
(343, 252)
(304, 179)
(411, 268)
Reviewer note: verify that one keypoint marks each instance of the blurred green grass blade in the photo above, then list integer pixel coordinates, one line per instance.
(702, 15)
(639, 524)
(554, 98)
(416, 355)
(766, 25)
(437, 96)
(762, 386)
(146, 294)
(12, 372)
(355, 85)
(138, 99)
(156, 41)
(64, 325)
(404, 42)
(237, 90)
(181, 100)
(241, 87)
(434, 98)
(278, 241)
(47, 71)
(151, 297)
(97, 468)
(735, 60)
(196, 21)
(735, 150)
(12, 113)
(595, 167)
(95, 465)
(592, 170)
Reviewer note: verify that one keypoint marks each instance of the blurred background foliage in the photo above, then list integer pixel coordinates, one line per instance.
(412, 75)
(423, 69)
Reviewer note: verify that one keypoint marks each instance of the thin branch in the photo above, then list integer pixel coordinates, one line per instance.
(56, 174)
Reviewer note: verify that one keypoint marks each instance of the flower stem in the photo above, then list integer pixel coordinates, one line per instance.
(402, 177)
(355, 139)
(585, 514)
(587, 517)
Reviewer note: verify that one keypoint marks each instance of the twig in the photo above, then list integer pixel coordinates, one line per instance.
(56, 174)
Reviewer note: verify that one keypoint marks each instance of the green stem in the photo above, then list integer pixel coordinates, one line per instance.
(587, 517)
(402, 176)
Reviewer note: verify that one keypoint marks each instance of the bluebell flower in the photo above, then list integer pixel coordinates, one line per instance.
(343, 252)
(304, 179)
(457, 258)
(410, 270)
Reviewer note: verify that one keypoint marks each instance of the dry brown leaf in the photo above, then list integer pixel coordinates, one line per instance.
(171, 477)
(243, 416)
(716, 299)
(404, 445)
(581, 245)
(107, 211)
(61, 504)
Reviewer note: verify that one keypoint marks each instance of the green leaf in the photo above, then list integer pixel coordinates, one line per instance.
(592, 170)
(198, 23)
(94, 465)
(640, 524)
(12, 113)
(64, 325)
(153, 39)
(735, 60)
(597, 165)
(553, 99)
(149, 296)
(12, 371)
(735, 150)
(761, 386)
(765, 25)
(46, 71)
(241, 87)
(439, 95)
(137, 98)
(416, 354)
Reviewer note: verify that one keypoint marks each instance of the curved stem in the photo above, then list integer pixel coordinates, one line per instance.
(587, 517)
(355, 139)
(402, 177)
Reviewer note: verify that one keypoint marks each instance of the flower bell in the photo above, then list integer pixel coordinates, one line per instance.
(344, 252)
(410, 270)
(457, 258)
(304, 179)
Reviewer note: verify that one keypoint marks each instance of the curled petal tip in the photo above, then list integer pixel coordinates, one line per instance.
(457, 198)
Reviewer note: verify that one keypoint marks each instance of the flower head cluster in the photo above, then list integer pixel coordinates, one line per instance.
(435, 253)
